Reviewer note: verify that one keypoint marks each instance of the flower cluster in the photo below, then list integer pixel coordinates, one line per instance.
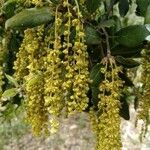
(76, 79)
(34, 2)
(107, 118)
(37, 115)
(54, 70)
(28, 68)
(144, 108)
(21, 63)
(53, 93)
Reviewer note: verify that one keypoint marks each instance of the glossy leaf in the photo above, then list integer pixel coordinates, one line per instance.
(107, 23)
(132, 36)
(92, 5)
(12, 80)
(147, 15)
(124, 110)
(92, 36)
(127, 51)
(33, 80)
(9, 8)
(142, 7)
(127, 62)
(126, 79)
(9, 93)
(96, 75)
(30, 18)
(123, 7)
(95, 92)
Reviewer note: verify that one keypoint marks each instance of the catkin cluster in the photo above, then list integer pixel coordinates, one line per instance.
(28, 69)
(144, 106)
(54, 70)
(67, 76)
(28, 3)
(106, 121)
(76, 63)
(20, 65)
(53, 94)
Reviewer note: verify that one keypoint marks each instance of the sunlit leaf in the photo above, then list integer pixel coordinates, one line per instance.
(132, 36)
(30, 18)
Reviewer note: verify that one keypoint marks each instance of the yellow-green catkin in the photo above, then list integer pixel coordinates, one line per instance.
(34, 101)
(53, 92)
(76, 63)
(22, 60)
(37, 115)
(144, 104)
(37, 2)
(28, 3)
(24, 56)
(93, 115)
(108, 121)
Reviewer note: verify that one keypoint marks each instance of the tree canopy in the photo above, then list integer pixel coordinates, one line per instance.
(62, 57)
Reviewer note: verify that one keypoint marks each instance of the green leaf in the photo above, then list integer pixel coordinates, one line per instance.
(92, 36)
(132, 36)
(96, 75)
(12, 80)
(124, 110)
(29, 18)
(127, 51)
(123, 7)
(92, 5)
(33, 80)
(127, 62)
(9, 93)
(9, 8)
(147, 27)
(147, 16)
(17, 100)
(95, 92)
(142, 7)
(126, 79)
(107, 23)
(1, 31)
(113, 29)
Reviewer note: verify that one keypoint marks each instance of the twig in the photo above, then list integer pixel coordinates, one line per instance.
(107, 42)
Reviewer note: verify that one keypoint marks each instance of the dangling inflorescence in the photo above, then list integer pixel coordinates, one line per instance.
(144, 105)
(53, 94)
(34, 82)
(37, 3)
(76, 79)
(67, 77)
(54, 70)
(28, 70)
(107, 119)
(22, 61)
